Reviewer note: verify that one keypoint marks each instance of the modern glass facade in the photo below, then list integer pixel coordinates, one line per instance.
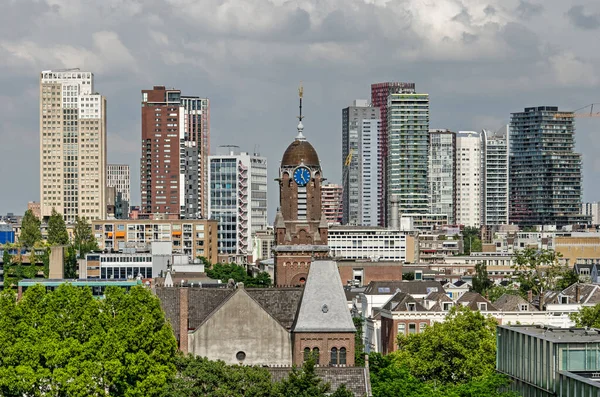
(408, 146)
(442, 172)
(545, 172)
(495, 177)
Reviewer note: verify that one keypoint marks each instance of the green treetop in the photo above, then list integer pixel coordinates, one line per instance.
(30, 230)
(57, 230)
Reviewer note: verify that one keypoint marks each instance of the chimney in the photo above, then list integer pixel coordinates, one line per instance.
(394, 200)
(529, 296)
(577, 293)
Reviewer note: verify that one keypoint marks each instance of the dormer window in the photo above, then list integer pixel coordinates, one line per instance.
(564, 300)
(482, 306)
(524, 307)
(446, 306)
(412, 307)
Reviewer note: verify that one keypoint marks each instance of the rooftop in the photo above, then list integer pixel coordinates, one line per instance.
(557, 335)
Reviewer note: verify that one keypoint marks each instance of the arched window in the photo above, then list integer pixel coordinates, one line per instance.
(334, 355)
(343, 356)
(306, 353)
(316, 354)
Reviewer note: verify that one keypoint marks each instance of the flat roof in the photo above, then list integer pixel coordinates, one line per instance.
(79, 283)
(557, 335)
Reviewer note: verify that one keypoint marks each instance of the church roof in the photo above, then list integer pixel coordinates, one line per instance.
(300, 152)
(324, 307)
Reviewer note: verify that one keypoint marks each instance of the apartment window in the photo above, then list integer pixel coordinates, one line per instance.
(412, 328)
(402, 329)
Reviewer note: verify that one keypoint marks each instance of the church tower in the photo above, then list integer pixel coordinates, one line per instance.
(300, 227)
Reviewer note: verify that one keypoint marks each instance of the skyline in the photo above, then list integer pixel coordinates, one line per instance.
(250, 71)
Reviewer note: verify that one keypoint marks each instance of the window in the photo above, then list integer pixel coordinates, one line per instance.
(316, 354)
(447, 306)
(334, 356)
(523, 307)
(306, 353)
(412, 307)
(422, 327)
(343, 356)
(412, 328)
(482, 306)
(564, 300)
(402, 328)
(240, 356)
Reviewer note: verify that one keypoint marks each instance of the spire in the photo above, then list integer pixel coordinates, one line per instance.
(300, 137)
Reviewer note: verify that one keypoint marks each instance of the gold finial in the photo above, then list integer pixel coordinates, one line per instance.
(300, 90)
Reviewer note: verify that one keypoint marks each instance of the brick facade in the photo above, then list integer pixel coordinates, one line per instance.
(372, 271)
(325, 342)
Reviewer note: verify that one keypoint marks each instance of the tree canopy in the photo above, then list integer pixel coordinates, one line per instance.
(471, 240)
(67, 343)
(538, 270)
(227, 271)
(83, 238)
(481, 281)
(30, 230)
(587, 316)
(57, 229)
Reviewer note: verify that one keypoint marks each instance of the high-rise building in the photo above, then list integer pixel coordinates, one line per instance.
(468, 178)
(379, 99)
(494, 183)
(592, 210)
(331, 202)
(237, 198)
(545, 171)
(119, 178)
(407, 152)
(175, 139)
(442, 173)
(362, 196)
(72, 145)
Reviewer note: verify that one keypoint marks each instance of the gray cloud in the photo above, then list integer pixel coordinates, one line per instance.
(582, 19)
(477, 63)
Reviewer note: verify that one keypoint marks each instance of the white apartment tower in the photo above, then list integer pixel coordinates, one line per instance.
(468, 178)
(362, 200)
(442, 172)
(237, 198)
(494, 186)
(72, 145)
(119, 178)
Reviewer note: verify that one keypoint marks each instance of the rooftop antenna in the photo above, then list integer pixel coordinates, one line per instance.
(300, 137)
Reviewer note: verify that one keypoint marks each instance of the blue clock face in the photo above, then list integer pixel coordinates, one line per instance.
(301, 176)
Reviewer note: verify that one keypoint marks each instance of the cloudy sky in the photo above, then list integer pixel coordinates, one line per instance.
(478, 59)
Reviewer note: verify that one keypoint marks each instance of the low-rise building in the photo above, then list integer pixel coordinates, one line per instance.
(371, 243)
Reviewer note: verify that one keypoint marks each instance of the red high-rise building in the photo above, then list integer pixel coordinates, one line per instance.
(379, 98)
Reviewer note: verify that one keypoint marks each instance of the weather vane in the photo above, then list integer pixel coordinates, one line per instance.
(300, 94)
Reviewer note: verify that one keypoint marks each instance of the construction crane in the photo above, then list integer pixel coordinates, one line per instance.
(579, 112)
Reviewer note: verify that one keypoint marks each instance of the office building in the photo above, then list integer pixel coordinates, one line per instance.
(380, 93)
(175, 139)
(72, 145)
(119, 177)
(468, 178)
(407, 152)
(237, 198)
(591, 210)
(331, 202)
(370, 243)
(494, 183)
(362, 198)
(545, 171)
(442, 173)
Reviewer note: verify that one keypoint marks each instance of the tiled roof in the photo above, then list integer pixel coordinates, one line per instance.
(399, 303)
(588, 293)
(471, 300)
(281, 303)
(438, 298)
(512, 303)
(356, 379)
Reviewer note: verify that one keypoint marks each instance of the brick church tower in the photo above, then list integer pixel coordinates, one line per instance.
(300, 227)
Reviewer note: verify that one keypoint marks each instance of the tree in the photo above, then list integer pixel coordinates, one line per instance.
(359, 344)
(262, 280)
(30, 230)
(408, 276)
(461, 348)
(587, 316)
(497, 291)
(227, 271)
(567, 278)
(303, 382)
(67, 343)
(83, 238)
(70, 265)
(57, 230)
(537, 270)
(471, 240)
(481, 281)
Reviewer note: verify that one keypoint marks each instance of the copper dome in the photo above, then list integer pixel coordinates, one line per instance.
(300, 151)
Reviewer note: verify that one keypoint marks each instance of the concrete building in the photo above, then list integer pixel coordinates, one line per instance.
(591, 210)
(494, 177)
(442, 173)
(547, 361)
(175, 149)
(118, 176)
(370, 243)
(237, 198)
(72, 145)
(545, 171)
(380, 93)
(187, 236)
(407, 159)
(331, 203)
(468, 178)
(263, 242)
(363, 197)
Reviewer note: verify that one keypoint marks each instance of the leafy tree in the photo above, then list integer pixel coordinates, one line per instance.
(359, 344)
(408, 276)
(587, 316)
(471, 240)
(497, 291)
(83, 238)
(262, 279)
(481, 281)
(67, 343)
(227, 271)
(303, 382)
(461, 348)
(6, 256)
(537, 270)
(30, 230)
(567, 278)
(57, 230)
(70, 262)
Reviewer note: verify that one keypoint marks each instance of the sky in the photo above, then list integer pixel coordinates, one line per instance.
(479, 60)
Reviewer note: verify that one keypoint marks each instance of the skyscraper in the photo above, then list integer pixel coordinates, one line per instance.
(331, 202)
(237, 198)
(407, 152)
(175, 139)
(379, 99)
(72, 145)
(442, 173)
(119, 177)
(468, 178)
(494, 184)
(545, 172)
(362, 196)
